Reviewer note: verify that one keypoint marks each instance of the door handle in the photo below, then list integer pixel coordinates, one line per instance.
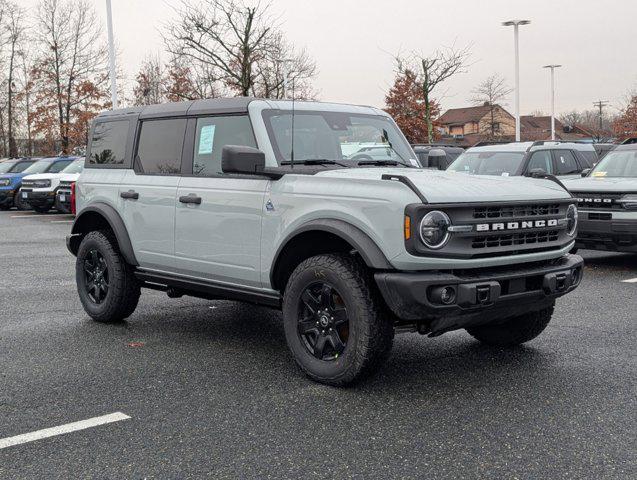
(131, 194)
(192, 198)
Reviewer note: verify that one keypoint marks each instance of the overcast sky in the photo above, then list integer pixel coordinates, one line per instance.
(353, 41)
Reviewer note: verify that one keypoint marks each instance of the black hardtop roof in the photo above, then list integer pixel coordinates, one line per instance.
(209, 106)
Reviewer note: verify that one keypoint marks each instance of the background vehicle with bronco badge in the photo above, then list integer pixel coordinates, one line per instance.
(255, 200)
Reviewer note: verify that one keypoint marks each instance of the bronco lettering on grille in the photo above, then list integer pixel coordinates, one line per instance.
(486, 227)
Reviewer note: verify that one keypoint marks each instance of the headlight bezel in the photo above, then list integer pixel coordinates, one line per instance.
(441, 217)
(572, 215)
(629, 201)
(5, 182)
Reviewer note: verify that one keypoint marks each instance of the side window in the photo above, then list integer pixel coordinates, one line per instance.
(541, 159)
(212, 134)
(108, 143)
(565, 162)
(59, 166)
(159, 146)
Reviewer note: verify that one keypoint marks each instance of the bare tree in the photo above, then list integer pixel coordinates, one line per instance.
(589, 121)
(280, 61)
(16, 36)
(149, 88)
(432, 71)
(491, 92)
(226, 35)
(72, 57)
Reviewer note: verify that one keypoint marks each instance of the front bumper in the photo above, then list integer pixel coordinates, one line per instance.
(607, 231)
(38, 199)
(481, 295)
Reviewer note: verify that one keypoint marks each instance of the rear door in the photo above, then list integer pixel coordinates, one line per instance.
(147, 192)
(218, 216)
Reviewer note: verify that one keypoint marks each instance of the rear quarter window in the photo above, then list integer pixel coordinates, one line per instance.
(108, 143)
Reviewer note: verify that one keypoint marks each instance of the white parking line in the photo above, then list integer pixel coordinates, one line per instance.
(62, 429)
(630, 280)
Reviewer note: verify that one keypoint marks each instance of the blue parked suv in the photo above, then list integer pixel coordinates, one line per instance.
(11, 173)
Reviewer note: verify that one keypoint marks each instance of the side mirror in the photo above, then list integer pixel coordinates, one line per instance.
(536, 172)
(241, 159)
(437, 158)
(585, 172)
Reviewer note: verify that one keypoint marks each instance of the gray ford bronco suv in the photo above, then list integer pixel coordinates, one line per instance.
(262, 201)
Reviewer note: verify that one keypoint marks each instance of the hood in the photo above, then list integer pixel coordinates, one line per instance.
(69, 177)
(454, 187)
(43, 176)
(11, 175)
(603, 184)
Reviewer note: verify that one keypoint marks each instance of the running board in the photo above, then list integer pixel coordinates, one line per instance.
(206, 289)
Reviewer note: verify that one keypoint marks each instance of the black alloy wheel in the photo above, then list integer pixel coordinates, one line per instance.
(323, 325)
(96, 275)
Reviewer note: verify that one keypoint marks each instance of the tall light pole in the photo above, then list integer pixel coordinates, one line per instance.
(111, 54)
(552, 67)
(516, 24)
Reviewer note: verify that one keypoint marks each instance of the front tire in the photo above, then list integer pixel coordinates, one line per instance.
(107, 286)
(514, 331)
(334, 320)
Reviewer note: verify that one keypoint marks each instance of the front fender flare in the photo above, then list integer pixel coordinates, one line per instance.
(114, 220)
(371, 254)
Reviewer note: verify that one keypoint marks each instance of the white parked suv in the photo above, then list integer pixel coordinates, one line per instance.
(255, 200)
(39, 190)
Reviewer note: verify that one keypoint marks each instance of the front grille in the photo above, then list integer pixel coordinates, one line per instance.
(526, 238)
(600, 216)
(601, 201)
(511, 211)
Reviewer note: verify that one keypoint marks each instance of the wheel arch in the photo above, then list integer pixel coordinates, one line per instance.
(99, 216)
(323, 236)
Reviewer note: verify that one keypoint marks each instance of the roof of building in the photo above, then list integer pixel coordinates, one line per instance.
(459, 116)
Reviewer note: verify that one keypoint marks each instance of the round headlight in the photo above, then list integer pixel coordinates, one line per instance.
(571, 220)
(434, 229)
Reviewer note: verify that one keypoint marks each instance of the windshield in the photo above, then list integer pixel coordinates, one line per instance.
(40, 166)
(618, 163)
(346, 138)
(7, 166)
(488, 163)
(75, 167)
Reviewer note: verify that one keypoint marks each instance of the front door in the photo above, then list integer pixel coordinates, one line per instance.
(218, 216)
(148, 193)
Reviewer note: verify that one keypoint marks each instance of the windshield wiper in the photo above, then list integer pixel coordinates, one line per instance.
(314, 161)
(383, 163)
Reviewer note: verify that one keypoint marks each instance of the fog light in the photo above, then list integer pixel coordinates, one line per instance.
(444, 295)
(576, 276)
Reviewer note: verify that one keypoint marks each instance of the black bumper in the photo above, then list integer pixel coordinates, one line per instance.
(610, 235)
(481, 295)
(39, 199)
(64, 207)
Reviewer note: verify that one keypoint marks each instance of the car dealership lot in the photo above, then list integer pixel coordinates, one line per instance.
(211, 389)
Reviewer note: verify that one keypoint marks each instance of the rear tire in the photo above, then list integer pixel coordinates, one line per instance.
(333, 296)
(514, 331)
(107, 286)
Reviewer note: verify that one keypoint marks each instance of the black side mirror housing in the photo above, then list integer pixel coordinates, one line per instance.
(242, 159)
(536, 172)
(585, 172)
(437, 158)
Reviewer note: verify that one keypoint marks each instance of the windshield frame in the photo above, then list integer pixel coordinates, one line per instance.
(281, 160)
(515, 173)
(609, 157)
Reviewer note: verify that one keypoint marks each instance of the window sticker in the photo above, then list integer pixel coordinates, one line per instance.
(413, 162)
(599, 174)
(505, 174)
(206, 139)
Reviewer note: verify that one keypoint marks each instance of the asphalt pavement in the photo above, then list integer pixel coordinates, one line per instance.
(212, 392)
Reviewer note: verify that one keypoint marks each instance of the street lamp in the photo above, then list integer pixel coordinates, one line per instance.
(516, 24)
(111, 54)
(552, 67)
